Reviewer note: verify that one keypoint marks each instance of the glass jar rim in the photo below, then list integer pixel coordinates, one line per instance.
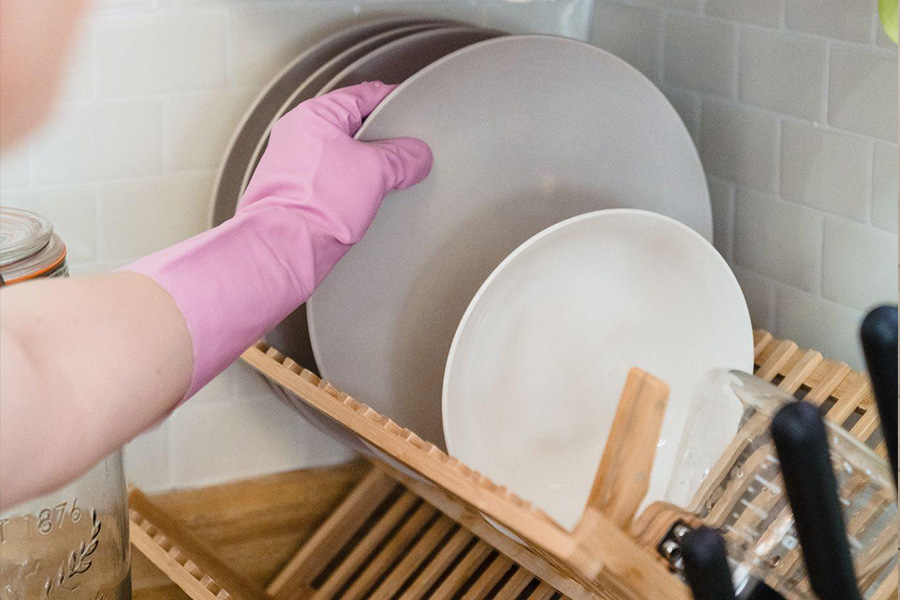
(28, 246)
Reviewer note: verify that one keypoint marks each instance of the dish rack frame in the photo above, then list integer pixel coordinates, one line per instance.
(415, 527)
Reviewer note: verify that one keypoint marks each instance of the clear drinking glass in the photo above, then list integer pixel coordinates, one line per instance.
(71, 544)
(728, 474)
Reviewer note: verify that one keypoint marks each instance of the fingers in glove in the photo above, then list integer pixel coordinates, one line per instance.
(345, 108)
(408, 161)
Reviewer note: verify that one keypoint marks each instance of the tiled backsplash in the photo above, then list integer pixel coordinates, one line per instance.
(793, 104)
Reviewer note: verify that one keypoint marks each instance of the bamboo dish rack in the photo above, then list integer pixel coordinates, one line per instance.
(415, 527)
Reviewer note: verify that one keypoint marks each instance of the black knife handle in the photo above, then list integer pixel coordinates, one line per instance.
(802, 444)
(706, 565)
(879, 342)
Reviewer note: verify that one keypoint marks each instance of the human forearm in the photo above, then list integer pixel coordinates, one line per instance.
(85, 365)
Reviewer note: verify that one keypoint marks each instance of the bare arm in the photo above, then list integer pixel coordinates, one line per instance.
(85, 365)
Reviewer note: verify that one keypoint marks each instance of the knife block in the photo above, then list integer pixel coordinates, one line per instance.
(415, 527)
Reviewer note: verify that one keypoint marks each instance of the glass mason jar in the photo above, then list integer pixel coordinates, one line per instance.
(71, 544)
(728, 475)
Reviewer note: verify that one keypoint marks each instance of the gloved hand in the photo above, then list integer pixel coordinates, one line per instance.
(314, 194)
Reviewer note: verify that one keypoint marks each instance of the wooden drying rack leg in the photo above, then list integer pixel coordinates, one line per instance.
(182, 557)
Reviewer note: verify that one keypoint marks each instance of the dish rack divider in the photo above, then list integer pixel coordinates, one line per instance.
(414, 527)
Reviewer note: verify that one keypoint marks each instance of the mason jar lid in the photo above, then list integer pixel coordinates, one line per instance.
(28, 246)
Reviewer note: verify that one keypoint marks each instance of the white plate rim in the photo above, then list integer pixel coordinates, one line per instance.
(611, 212)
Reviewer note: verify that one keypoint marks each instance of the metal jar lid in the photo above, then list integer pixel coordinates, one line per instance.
(28, 247)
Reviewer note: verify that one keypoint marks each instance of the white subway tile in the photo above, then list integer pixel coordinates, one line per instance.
(73, 212)
(630, 33)
(95, 268)
(262, 40)
(687, 105)
(216, 391)
(739, 144)
(160, 53)
(146, 460)
(783, 72)
(721, 195)
(849, 20)
(236, 382)
(862, 91)
(511, 17)
(884, 187)
(760, 12)
(760, 295)
(816, 323)
(699, 54)
(198, 127)
(826, 169)
(143, 216)
(778, 239)
(103, 140)
(14, 167)
(243, 438)
(859, 266)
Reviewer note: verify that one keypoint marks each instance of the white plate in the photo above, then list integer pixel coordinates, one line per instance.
(541, 355)
(526, 131)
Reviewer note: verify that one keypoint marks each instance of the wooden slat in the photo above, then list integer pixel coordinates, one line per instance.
(375, 568)
(515, 585)
(174, 570)
(432, 573)
(779, 357)
(327, 541)
(849, 401)
(413, 559)
(488, 579)
(366, 546)
(463, 570)
(761, 340)
(183, 557)
(888, 588)
(476, 524)
(624, 473)
(800, 372)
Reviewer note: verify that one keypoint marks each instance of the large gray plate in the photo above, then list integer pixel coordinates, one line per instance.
(526, 132)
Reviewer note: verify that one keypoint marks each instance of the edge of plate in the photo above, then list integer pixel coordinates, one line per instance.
(358, 29)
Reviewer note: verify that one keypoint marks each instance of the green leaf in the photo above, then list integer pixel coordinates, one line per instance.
(887, 12)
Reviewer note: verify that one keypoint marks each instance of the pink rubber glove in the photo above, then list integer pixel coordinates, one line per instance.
(313, 195)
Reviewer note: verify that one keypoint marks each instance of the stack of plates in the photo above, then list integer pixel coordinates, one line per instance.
(389, 50)
(527, 131)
